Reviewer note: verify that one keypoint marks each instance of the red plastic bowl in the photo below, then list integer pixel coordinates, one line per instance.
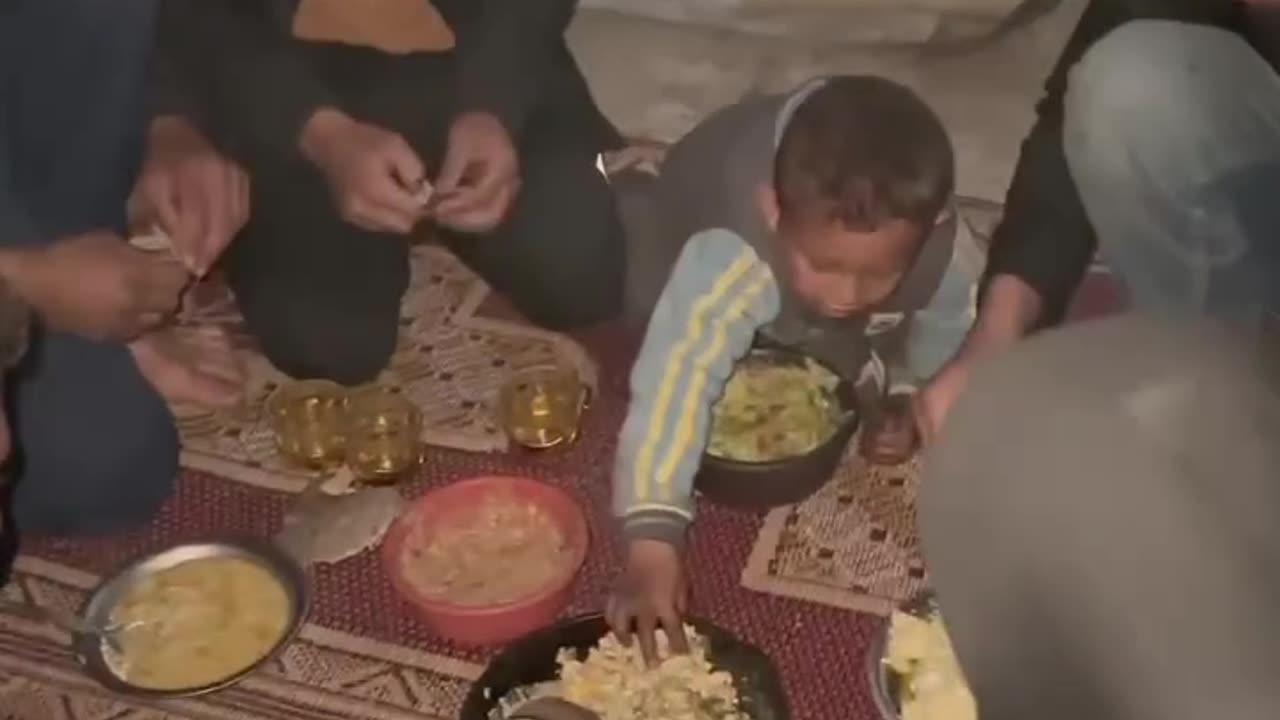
(493, 624)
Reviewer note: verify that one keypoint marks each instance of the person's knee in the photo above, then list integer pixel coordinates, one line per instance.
(576, 276)
(321, 339)
(1145, 77)
(102, 479)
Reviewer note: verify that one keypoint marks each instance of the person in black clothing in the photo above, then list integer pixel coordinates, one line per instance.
(1157, 144)
(359, 121)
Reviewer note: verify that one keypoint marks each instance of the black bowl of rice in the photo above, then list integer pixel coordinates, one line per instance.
(574, 658)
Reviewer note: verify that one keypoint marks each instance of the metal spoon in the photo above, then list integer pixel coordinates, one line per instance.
(551, 708)
(74, 624)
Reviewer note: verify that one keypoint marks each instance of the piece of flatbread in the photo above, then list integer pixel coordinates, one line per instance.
(155, 240)
(322, 528)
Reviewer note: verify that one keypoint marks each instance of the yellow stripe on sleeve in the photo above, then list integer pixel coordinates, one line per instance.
(683, 436)
(671, 372)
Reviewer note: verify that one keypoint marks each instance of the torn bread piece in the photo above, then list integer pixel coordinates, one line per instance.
(154, 240)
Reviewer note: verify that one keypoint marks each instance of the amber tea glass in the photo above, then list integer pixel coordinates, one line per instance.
(384, 434)
(543, 408)
(307, 419)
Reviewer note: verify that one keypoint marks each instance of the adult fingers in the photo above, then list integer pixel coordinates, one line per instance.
(199, 197)
(162, 199)
(487, 180)
(920, 415)
(161, 284)
(378, 217)
(480, 218)
(221, 218)
(384, 190)
(406, 166)
(457, 158)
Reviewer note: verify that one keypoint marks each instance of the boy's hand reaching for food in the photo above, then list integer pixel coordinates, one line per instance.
(651, 593)
(374, 174)
(893, 436)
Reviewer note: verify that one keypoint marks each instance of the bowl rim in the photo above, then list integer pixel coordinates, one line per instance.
(291, 574)
(877, 674)
(850, 421)
(393, 548)
(481, 688)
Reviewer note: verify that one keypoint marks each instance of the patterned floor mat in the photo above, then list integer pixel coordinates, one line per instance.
(450, 360)
(853, 544)
(365, 653)
(323, 675)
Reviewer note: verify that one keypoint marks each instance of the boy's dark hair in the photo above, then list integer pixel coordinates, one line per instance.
(864, 150)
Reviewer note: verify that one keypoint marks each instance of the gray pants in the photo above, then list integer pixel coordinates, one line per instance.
(1172, 135)
(96, 448)
(1100, 522)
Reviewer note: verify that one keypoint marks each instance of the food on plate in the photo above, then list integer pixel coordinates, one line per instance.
(771, 411)
(931, 683)
(497, 552)
(614, 682)
(197, 623)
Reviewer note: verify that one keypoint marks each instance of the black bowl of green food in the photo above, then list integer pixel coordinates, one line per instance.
(777, 432)
(525, 668)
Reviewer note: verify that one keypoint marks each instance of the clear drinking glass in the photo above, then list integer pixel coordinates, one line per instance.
(307, 418)
(384, 434)
(543, 408)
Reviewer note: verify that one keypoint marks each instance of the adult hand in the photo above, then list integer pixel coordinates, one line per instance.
(480, 174)
(97, 286)
(933, 402)
(651, 593)
(373, 173)
(199, 196)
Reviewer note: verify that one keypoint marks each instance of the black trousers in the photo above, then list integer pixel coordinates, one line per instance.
(322, 296)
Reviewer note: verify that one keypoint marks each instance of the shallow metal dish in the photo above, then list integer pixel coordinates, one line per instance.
(103, 599)
(884, 682)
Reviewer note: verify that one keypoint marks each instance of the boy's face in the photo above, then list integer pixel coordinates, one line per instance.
(836, 271)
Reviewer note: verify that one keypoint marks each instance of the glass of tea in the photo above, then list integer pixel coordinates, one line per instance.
(543, 408)
(384, 434)
(307, 418)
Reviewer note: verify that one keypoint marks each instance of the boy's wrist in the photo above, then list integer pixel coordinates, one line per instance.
(656, 525)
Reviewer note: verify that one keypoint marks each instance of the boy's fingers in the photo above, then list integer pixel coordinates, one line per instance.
(619, 620)
(674, 627)
(646, 627)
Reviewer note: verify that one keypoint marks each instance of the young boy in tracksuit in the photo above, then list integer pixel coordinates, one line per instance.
(821, 221)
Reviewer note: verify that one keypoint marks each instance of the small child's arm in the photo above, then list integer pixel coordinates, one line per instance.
(719, 293)
(938, 330)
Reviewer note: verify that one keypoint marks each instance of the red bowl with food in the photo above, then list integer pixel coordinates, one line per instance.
(488, 559)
